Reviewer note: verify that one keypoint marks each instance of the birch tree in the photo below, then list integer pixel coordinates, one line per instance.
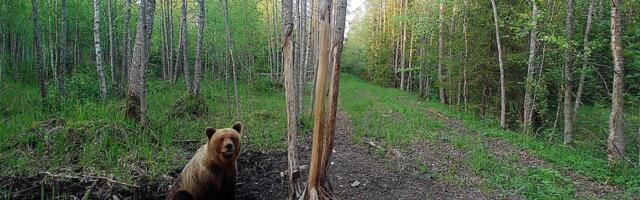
(615, 142)
(230, 58)
(568, 76)
(38, 52)
(443, 98)
(585, 59)
(63, 48)
(503, 92)
(183, 46)
(198, 67)
(533, 40)
(96, 38)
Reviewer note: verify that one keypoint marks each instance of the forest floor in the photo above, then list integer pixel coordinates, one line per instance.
(389, 144)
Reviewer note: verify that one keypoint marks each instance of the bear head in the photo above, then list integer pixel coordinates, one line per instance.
(224, 143)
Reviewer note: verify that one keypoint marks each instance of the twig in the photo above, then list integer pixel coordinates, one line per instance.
(374, 144)
(95, 178)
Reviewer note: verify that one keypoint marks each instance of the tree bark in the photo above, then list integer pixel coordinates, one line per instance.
(230, 55)
(615, 142)
(136, 96)
(38, 52)
(183, 46)
(528, 97)
(293, 172)
(568, 76)
(63, 48)
(198, 68)
(126, 43)
(503, 92)
(96, 38)
(585, 58)
(443, 98)
(466, 53)
(315, 189)
(112, 43)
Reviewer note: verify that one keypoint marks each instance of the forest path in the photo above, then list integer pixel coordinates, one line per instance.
(585, 187)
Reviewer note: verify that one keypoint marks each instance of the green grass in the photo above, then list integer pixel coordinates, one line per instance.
(92, 136)
(398, 117)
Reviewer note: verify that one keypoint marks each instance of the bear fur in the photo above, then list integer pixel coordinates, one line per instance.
(211, 173)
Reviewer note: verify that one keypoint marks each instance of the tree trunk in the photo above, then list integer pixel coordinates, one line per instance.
(528, 97)
(198, 68)
(615, 150)
(96, 39)
(184, 47)
(503, 92)
(126, 43)
(38, 52)
(293, 172)
(112, 43)
(317, 187)
(466, 54)
(136, 96)
(230, 55)
(568, 76)
(443, 98)
(63, 48)
(585, 59)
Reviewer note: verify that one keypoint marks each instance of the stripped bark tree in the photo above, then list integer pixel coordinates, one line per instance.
(568, 76)
(585, 59)
(96, 38)
(528, 96)
(230, 57)
(615, 141)
(503, 92)
(136, 102)
(38, 52)
(293, 173)
(324, 119)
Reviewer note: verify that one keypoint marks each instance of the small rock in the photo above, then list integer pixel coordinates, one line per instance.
(355, 184)
(303, 167)
(333, 163)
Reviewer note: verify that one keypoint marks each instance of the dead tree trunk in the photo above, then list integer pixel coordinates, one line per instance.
(585, 59)
(615, 150)
(568, 77)
(198, 68)
(317, 184)
(96, 38)
(230, 57)
(38, 52)
(443, 98)
(503, 93)
(293, 172)
(528, 97)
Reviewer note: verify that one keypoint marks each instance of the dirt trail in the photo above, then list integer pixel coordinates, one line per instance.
(359, 171)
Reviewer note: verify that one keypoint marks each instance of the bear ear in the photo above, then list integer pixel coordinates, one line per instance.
(209, 131)
(237, 126)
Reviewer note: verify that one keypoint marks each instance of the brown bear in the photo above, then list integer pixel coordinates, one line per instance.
(211, 173)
